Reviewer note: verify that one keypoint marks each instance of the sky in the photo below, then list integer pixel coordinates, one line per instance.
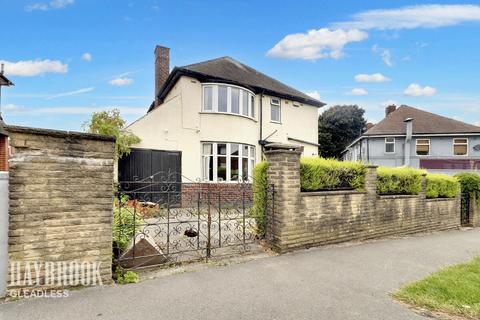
(69, 58)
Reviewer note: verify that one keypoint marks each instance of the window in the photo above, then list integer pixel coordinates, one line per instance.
(227, 161)
(460, 147)
(228, 99)
(275, 110)
(423, 147)
(389, 145)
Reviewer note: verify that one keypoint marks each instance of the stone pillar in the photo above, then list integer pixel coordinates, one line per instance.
(371, 180)
(3, 232)
(284, 173)
(423, 192)
(474, 212)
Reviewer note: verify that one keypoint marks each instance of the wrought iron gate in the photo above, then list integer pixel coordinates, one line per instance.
(465, 209)
(162, 221)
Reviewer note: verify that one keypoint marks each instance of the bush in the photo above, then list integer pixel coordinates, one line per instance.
(125, 223)
(470, 184)
(442, 186)
(260, 196)
(127, 277)
(399, 181)
(329, 174)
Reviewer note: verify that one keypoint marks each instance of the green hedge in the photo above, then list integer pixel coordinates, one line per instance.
(442, 186)
(260, 196)
(329, 174)
(470, 184)
(399, 181)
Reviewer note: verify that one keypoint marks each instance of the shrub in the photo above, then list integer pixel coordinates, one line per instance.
(127, 277)
(470, 184)
(399, 181)
(442, 186)
(329, 174)
(260, 196)
(125, 223)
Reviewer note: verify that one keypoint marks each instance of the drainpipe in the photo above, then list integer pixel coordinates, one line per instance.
(408, 141)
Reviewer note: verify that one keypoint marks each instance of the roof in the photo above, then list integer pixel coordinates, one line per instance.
(4, 81)
(423, 123)
(229, 70)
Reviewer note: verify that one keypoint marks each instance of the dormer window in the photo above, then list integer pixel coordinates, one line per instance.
(228, 99)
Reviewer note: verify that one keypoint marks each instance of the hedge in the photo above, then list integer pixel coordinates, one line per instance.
(442, 186)
(329, 174)
(470, 184)
(260, 196)
(399, 181)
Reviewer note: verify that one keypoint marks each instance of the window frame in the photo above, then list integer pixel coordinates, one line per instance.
(429, 147)
(250, 114)
(249, 157)
(279, 106)
(394, 145)
(461, 144)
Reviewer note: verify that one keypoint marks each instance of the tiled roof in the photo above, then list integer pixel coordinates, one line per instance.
(423, 123)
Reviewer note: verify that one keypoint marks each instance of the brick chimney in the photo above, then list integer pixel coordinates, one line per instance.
(162, 69)
(368, 126)
(391, 108)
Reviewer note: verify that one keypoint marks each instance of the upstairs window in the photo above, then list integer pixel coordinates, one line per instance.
(389, 145)
(275, 110)
(460, 147)
(228, 99)
(423, 147)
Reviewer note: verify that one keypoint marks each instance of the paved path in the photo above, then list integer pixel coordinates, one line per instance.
(346, 282)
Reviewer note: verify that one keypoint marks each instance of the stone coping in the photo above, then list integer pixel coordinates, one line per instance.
(441, 199)
(59, 133)
(398, 196)
(330, 193)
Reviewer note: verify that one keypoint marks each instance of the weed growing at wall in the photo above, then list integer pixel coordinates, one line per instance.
(260, 196)
(442, 186)
(406, 181)
(329, 174)
(124, 227)
(126, 277)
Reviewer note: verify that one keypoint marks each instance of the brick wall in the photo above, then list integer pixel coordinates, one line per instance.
(61, 197)
(223, 193)
(3, 153)
(305, 219)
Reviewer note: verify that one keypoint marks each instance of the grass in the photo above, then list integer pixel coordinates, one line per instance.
(454, 290)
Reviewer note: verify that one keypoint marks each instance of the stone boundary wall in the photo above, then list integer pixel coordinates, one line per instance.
(3, 232)
(306, 219)
(61, 200)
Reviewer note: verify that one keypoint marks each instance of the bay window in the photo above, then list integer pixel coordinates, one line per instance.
(228, 99)
(227, 161)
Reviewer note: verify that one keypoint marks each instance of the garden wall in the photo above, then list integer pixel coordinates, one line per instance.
(305, 219)
(61, 199)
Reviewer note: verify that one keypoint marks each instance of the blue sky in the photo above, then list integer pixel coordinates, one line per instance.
(69, 58)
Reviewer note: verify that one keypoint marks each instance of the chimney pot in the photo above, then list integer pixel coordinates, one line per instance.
(162, 69)
(390, 109)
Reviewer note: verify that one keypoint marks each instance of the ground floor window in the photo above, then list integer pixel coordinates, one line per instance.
(423, 147)
(224, 161)
(460, 147)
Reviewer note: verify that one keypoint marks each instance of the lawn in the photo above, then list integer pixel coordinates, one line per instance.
(453, 290)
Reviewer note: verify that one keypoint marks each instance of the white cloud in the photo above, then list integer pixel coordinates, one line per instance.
(71, 93)
(411, 17)
(314, 94)
(384, 53)
(10, 107)
(358, 92)
(375, 77)
(119, 82)
(87, 56)
(415, 90)
(316, 44)
(30, 68)
(44, 6)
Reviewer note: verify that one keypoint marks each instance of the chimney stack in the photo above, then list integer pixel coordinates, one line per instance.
(391, 108)
(162, 69)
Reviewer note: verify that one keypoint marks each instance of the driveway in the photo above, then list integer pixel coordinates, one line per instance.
(342, 282)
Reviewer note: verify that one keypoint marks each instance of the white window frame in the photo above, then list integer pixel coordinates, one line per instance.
(251, 107)
(429, 147)
(276, 104)
(394, 145)
(251, 152)
(460, 144)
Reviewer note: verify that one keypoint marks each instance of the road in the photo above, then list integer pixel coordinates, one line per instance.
(339, 282)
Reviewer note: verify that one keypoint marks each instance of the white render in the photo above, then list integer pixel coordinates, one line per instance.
(179, 124)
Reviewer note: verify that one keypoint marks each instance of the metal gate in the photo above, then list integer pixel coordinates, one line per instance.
(465, 210)
(164, 221)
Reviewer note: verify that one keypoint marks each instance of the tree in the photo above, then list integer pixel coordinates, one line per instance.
(337, 128)
(110, 123)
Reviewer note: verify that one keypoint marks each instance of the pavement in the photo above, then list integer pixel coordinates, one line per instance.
(339, 282)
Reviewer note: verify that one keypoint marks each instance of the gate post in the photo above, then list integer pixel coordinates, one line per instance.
(474, 211)
(3, 232)
(284, 173)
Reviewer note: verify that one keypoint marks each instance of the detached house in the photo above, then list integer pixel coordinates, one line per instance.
(416, 138)
(216, 115)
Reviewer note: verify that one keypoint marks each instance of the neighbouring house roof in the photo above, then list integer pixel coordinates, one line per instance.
(229, 70)
(4, 81)
(423, 123)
